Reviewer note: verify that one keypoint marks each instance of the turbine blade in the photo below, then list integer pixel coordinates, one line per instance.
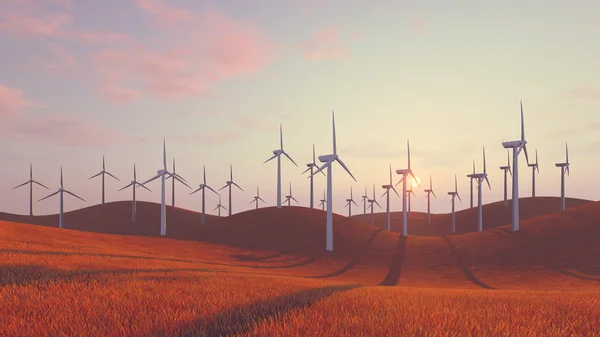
(180, 180)
(41, 184)
(314, 159)
(164, 155)
(46, 197)
(76, 196)
(354, 202)
(210, 188)
(334, 142)
(151, 179)
(124, 187)
(295, 200)
(94, 176)
(199, 189)
(408, 148)
(415, 179)
(321, 168)
(238, 186)
(308, 169)
(113, 176)
(204, 170)
(522, 124)
(223, 187)
(290, 158)
(23, 184)
(264, 202)
(393, 188)
(488, 182)
(375, 201)
(140, 185)
(268, 160)
(280, 137)
(526, 155)
(180, 177)
(398, 183)
(567, 152)
(345, 167)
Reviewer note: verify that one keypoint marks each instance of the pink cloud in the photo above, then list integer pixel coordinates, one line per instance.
(586, 91)
(11, 101)
(23, 25)
(326, 44)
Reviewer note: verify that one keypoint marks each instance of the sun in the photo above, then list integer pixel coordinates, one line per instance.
(413, 183)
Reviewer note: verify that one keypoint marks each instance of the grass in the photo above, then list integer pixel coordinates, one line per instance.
(72, 283)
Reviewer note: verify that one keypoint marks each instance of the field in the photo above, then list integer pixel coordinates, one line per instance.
(264, 273)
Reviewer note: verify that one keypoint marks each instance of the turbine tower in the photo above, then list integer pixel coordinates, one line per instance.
(471, 184)
(409, 191)
(289, 198)
(534, 167)
(517, 146)
(277, 154)
(506, 170)
(453, 195)
(371, 202)
(405, 173)
(563, 167)
(60, 192)
(310, 169)
(31, 182)
(134, 183)
(349, 203)
(328, 161)
(228, 184)
(219, 206)
(202, 187)
(163, 174)
(323, 202)
(364, 200)
(429, 192)
(102, 173)
(480, 177)
(181, 179)
(257, 198)
(387, 188)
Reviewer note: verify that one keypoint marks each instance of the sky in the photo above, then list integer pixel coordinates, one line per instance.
(83, 79)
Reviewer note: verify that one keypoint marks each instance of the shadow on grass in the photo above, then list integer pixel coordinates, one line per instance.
(395, 271)
(464, 267)
(253, 258)
(355, 258)
(242, 320)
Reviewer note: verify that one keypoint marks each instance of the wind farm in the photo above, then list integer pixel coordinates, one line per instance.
(395, 101)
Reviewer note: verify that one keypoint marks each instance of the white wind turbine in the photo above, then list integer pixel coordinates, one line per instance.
(31, 182)
(349, 203)
(387, 188)
(257, 198)
(409, 191)
(181, 179)
(310, 169)
(517, 146)
(277, 154)
(102, 173)
(328, 161)
(480, 177)
(534, 167)
(289, 198)
(134, 183)
(219, 206)
(453, 195)
(563, 167)
(364, 200)
(228, 183)
(323, 202)
(371, 202)
(506, 170)
(429, 192)
(202, 187)
(60, 192)
(163, 174)
(405, 173)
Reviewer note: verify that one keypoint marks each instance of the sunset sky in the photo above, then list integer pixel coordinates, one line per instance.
(82, 79)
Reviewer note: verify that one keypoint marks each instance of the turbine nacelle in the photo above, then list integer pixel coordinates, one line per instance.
(327, 158)
(277, 152)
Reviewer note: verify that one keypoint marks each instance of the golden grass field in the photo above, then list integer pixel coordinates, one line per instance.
(265, 273)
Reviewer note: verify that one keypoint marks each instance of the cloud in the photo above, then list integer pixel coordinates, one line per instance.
(23, 25)
(585, 91)
(12, 101)
(326, 44)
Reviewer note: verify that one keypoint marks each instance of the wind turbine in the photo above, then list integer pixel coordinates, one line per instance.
(409, 191)
(471, 183)
(328, 161)
(290, 197)
(517, 146)
(371, 202)
(534, 167)
(102, 173)
(323, 201)
(257, 198)
(429, 192)
(405, 173)
(349, 203)
(387, 188)
(163, 174)
(506, 170)
(454, 194)
(181, 179)
(219, 206)
(202, 187)
(134, 183)
(228, 184)
(310, 169)
(480, 177)
(364, 200)
(31, 182)
(563, 167)
(277, 154)
(60, 192)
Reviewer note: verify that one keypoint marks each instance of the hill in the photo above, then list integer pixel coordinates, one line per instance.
(494, 215)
